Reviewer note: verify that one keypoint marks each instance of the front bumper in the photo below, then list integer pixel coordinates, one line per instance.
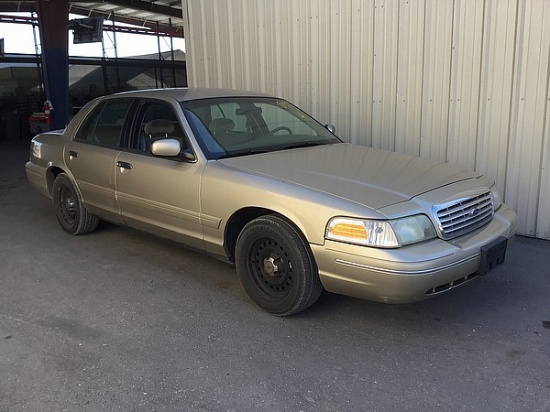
(411, 273)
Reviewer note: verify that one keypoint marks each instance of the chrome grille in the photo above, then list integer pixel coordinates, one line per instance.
(458, 218)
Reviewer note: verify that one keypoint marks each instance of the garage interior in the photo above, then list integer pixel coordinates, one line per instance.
(68, 82)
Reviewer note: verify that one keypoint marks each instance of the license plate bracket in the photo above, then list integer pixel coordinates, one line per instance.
(492, 255)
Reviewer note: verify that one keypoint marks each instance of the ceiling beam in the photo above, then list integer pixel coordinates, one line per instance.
(146, 6)
(8, 6)
(163, 28)
(17, 6)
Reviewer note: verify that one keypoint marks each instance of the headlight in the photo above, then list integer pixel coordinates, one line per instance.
(381, 233)
(413, 229)
(377, 233)
(497, 199)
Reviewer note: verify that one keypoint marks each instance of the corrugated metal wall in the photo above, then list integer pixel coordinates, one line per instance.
(464, 81)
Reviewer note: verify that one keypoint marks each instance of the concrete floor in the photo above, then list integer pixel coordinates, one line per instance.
(121, 321)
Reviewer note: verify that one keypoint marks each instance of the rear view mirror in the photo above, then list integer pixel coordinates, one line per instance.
(331, 128)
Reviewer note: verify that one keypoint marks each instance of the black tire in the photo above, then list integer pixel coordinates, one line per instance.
(276, 267)
(69, 209)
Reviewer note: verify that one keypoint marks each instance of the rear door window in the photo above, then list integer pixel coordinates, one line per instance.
(104, 125)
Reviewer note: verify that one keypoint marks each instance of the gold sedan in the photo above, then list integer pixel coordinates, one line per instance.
(254, 180)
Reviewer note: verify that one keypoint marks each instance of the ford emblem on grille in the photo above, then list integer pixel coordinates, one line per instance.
(474, 211)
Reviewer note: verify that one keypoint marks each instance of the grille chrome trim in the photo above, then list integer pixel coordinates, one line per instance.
(463, 216)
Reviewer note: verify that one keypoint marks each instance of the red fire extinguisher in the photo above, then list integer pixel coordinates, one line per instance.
(48, 107)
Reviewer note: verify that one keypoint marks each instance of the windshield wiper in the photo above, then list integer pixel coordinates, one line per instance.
(277, 148)
(243, 153)
(308, 144)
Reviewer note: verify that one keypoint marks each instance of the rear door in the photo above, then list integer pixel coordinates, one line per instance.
(160, 195)
(91, 156)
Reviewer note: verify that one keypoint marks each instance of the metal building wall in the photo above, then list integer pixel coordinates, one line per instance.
(464, 81)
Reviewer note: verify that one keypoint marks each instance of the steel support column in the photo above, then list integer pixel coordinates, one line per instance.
(53, 17)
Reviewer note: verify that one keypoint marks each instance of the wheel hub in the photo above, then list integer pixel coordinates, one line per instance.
(70, 203)
(273, 265)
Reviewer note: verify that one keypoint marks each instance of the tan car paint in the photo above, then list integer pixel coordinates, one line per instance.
(93, 169)
(370, 177)
(161, 196)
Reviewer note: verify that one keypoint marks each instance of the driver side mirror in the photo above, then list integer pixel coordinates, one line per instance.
(169, 147)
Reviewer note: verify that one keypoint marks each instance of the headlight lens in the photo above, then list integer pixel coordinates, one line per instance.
(381, 233)
(377, 233)
(497, 199)
(413, 229)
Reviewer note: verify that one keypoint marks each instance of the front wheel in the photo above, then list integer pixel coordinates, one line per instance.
(69, 209)
(275, 266)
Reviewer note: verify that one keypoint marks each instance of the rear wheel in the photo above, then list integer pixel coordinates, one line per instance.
(275, 266)
(69, 209)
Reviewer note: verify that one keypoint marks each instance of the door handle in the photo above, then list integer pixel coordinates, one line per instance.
(124, 165)
(72, 153)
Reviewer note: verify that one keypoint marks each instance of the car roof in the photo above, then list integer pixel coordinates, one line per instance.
(188, 94)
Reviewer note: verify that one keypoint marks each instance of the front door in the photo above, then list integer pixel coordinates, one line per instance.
(160, 195)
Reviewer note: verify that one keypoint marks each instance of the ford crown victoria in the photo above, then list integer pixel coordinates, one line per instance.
(256, 181)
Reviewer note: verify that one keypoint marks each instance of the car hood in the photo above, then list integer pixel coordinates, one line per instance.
(371, 177)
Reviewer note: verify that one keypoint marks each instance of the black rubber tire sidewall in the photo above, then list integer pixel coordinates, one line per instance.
(306, 286)
(83, 221)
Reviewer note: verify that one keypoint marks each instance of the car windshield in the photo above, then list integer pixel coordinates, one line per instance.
(228, 127)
